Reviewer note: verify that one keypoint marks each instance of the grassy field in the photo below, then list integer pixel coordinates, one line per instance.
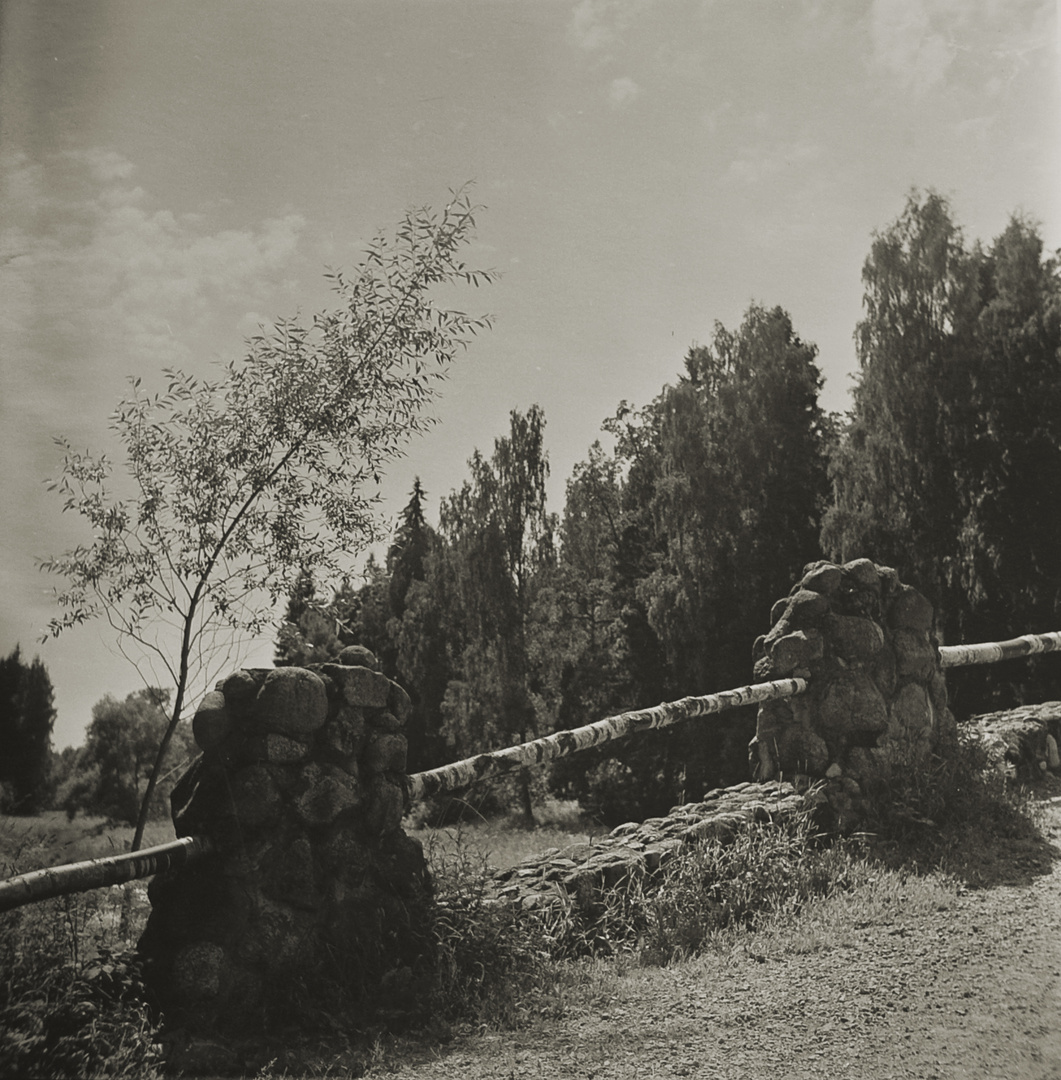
(504, 842)
(30, 843)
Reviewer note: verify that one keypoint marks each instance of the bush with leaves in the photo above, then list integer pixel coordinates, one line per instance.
(72, 1002)
(110, 773)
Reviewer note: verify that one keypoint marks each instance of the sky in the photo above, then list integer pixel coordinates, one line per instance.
(176, 175)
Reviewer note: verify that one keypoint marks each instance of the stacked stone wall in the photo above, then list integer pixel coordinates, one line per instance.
(1020, 743)
(877, 702)
(300, 788)
(581, 875)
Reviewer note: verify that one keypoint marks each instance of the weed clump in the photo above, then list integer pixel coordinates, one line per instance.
(496, 960)
(765, 871)
(954, 800)
(72, 1001)
(490, 964)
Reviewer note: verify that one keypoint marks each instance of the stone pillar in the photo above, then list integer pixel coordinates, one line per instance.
(877, 701)
(313, 884)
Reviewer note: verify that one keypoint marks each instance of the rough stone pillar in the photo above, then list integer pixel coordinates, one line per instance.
(313, 884)
(877, 701)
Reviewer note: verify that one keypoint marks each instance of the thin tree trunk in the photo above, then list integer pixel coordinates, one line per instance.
(525, 797)
(171, 727)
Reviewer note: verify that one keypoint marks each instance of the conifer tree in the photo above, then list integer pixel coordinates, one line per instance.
(27, 716)
(499, 537)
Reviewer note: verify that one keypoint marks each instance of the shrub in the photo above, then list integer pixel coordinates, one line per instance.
(955, 793)
(489, 961)
(71, 998)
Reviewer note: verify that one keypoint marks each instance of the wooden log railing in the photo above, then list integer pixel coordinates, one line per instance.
(117, 869)
(994, 651)
(99, 873)
(564, 743)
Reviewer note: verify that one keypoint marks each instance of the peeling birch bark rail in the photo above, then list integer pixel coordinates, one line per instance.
(98, 873)
(564, 743)
(994, 651)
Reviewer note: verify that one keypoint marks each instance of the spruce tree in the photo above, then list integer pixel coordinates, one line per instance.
(27, 716)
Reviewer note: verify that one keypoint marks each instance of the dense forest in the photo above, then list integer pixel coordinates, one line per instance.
(697, 511)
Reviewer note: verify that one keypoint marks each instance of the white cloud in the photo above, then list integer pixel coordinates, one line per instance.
(622, 91)
(920, 44)
(91, 265)
(712, 119)
(758, 163)
(906, 44)
(975, 127)
(600, 24)
(104, 165)
(98, 283)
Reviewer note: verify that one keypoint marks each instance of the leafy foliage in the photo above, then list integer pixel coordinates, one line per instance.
(499, 539)
(76, 1019)
(894, 492)
(111, 771)
(951, 460)
(243, 483)
(397, 612)
(72, 1002)
(710, 508)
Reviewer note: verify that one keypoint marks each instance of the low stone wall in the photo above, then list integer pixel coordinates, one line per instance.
(300, 787)
(1021, 743)
(877, 701)
(583, 873)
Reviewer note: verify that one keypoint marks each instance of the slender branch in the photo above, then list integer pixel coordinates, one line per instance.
(309, 426)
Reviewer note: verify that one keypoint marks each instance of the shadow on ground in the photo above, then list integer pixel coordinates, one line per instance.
(1016, 840)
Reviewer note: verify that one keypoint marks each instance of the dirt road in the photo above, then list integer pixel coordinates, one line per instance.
(970, 987)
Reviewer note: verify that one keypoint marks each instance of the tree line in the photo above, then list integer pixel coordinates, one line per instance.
(685, 522)
(507, 622)
(108, 775)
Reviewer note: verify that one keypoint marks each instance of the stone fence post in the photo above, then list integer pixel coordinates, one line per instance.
(877, 702)
(313, 883)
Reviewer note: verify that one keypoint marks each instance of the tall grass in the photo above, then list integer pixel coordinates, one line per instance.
(71, 999)
(490, 964)
(499, 963)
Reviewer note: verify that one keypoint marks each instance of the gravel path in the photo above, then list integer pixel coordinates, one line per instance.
(969, 988)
